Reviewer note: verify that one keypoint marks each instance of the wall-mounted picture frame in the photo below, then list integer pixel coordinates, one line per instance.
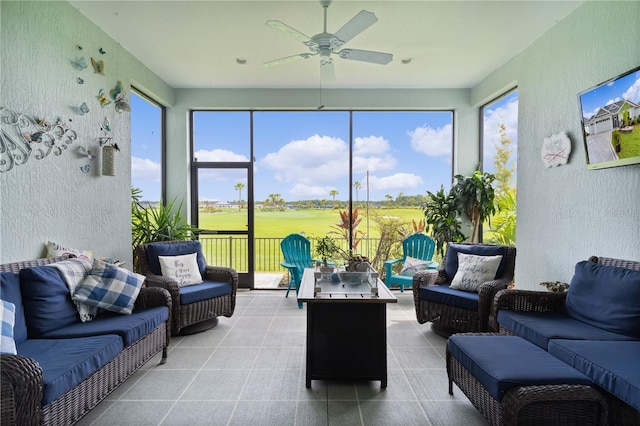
(610, 114)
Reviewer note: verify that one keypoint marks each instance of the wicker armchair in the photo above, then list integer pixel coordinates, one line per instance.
(448, 318)
(205, 310)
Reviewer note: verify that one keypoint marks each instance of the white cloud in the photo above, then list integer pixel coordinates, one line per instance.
(398, 181)
(318, 160)
(432, 142)
(612, 101)
(145, 170)
(370, 145)
(303, 191)
(633, 92)
(219, 155)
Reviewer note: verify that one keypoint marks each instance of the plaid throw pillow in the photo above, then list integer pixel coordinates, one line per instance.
(7, 318)
(109, 287)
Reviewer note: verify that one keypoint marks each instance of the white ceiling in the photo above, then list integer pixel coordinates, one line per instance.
(451, 44)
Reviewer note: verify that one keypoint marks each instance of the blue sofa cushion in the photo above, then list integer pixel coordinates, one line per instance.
(442, 293)
(203, 291)
(607, 297)
(10, 291)
(130, 328)
(67, 362)
(503, 362)
(46, 299)
(540, 327)
(451, 260)
(614, 366)
(162, 249)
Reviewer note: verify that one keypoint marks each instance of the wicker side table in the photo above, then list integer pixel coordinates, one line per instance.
(535, 392)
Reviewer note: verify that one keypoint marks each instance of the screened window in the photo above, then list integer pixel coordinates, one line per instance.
(499, 155)
(147, 117)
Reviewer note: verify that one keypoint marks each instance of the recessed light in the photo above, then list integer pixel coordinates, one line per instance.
(241, 61)
(406, 61)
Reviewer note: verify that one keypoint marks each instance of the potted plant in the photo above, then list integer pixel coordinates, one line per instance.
(161, 223)
(327, 249)
(475, 198)
(442, 219)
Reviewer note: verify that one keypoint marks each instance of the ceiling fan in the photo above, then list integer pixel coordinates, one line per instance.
(326, 44)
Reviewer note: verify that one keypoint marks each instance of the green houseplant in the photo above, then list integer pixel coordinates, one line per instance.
(157, 223)
(442, 219)
(475, 198)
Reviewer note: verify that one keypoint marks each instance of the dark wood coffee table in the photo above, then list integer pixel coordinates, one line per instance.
(346, 329)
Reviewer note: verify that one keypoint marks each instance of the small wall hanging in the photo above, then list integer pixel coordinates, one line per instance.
(23, 137)
(556, 150)
(109, 160)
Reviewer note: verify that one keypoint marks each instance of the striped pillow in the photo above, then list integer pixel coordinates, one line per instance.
(7, 319)
(109, 287)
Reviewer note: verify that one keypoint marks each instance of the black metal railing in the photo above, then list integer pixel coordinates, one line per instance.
(231, 251)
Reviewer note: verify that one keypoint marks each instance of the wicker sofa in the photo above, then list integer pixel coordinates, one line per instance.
(594, 327)
(57, 377)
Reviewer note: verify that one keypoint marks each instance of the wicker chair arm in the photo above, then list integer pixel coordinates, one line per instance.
(151, 297)
(525, 301)
(22, 387)
(486, 293)
(223, 274)
(167, 283)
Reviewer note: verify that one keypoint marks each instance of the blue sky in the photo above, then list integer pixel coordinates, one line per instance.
(304, 155)
(626, 87)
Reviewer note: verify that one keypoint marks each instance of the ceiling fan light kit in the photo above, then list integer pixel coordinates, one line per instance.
(326, 44)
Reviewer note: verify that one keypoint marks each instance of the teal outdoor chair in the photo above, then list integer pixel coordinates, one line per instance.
(417, 246)
(296, 250)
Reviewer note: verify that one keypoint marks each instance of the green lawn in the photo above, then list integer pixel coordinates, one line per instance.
(630, 143)
(314, 222)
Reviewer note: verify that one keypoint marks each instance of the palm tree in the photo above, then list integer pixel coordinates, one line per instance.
(357, 185)
(389, 198)
(333, 194)
(276, 200)
(239, 186)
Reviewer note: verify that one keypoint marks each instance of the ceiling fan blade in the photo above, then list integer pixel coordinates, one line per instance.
(363, 20)
(327, 71)
(287, 59)
(292, 32)
(366, 56)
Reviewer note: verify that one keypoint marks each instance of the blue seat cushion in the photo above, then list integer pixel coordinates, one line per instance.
(67, 362)
(442, 293)
(606, 297)
(501, 363)
(203, 291)
(46, 300)
(451, 259)
(130, 328)
(10, 292)
(177, 249)
(540, 327)
(611, 365)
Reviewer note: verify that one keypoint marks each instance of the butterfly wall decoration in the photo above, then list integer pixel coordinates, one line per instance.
(102, 51)
(79, 64)
(80, 81)
(98, 66)
(116, 96)
(82, 109)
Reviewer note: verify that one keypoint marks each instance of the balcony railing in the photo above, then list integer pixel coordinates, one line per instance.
(231, 251)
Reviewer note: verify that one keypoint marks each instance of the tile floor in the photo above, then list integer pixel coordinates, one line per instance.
(249, 370)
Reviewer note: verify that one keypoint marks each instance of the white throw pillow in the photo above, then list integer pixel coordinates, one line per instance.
(413, 265)
(474, 270)
(55, 250)
(184, 269)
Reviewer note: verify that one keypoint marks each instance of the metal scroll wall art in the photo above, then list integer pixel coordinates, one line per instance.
(23, 137)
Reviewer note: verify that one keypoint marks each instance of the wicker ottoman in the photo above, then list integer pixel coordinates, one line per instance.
(514, 382)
